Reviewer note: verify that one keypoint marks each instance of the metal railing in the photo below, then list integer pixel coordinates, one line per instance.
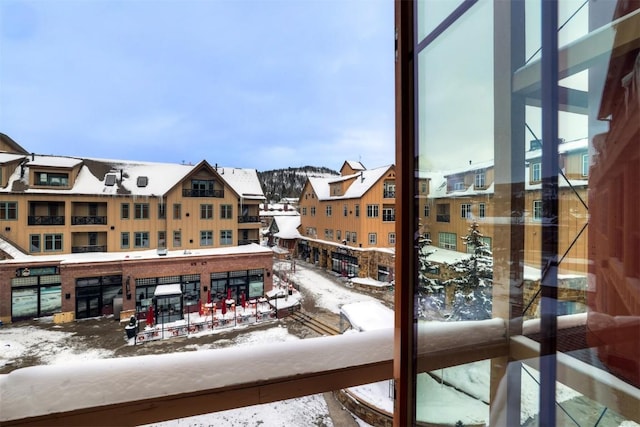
(45, 220)
(248, 218)
(88, 249)
(202, 193)
(88, 220)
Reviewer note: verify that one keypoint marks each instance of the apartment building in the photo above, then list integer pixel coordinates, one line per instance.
(59, 213)
(450, 201)
(347, 223)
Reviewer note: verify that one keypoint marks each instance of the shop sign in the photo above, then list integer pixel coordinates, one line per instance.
(36, 271)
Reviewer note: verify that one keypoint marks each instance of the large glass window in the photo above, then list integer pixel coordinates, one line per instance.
(540, 86)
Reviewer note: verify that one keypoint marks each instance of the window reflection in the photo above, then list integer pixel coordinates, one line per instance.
(481, 162)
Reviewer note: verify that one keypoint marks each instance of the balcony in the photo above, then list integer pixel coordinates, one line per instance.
(45, 220)
(330, 363)
(242, 242)
(202, 193)
(88, 249)
(389, 194)
(248, 218)
(443, 217)
(88, 220)
(388, 217)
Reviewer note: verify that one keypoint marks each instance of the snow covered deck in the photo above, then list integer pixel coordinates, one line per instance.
(145, 389)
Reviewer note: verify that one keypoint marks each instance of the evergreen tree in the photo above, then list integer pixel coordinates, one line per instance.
(430, 295)
(473, 285)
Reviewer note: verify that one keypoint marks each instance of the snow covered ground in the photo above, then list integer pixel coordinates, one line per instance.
(440, 402)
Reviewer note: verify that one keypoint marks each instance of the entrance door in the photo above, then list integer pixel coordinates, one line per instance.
(88, 302)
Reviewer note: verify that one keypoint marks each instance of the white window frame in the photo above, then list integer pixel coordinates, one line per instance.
(373, 238)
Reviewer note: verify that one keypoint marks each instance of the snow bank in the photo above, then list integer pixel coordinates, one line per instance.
(109, 381)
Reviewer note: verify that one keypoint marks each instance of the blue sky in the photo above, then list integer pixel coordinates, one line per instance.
(247, 83)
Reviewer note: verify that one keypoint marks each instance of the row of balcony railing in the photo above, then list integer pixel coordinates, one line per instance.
(202, 193)
(102, 220)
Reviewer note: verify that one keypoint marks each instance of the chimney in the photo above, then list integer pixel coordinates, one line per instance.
(361, 176)
(33, 156)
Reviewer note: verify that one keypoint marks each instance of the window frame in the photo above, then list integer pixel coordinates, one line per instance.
(139, 239)
(8, 207)
(141, 211)
(372, 239)
(226, 237)
(205, 236)
(55, 240)
(206, 211)
(125, 240)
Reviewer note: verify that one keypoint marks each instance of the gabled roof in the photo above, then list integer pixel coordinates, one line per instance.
(356, 166)
(362, 182)
(244, 182)
(287, 227)
(125, 177)
(13, 146)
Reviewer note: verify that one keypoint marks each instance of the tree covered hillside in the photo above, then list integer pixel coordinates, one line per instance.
(279, 183)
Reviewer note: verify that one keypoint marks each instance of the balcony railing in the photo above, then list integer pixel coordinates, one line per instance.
(443, 218)
(247, 241)
(46, 220)
(88, 249)
(389, 194)
(88, 220)
(388, 217)
(366, 357)
(248, 218)
(202, 193)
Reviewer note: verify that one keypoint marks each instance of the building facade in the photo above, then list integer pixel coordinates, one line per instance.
(58, 213)
(348, 222)
(450, 201)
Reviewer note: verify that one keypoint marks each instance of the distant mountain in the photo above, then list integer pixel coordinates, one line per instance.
(279, 183)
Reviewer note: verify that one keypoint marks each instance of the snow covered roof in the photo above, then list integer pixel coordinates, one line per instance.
(361, 183)
(356, 166)
(245, 182)
(112, 177)
(97, 257)
(287, 227)
(9, 157)
(563, 148)
(164, 290)
(53, 161)
(368, 315)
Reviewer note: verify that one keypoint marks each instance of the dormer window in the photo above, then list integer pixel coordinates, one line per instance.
(480, 179)
(458, 186)
(536, 172)
(52, 179)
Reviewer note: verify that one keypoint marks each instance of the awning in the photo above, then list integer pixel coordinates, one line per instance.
(164, 290)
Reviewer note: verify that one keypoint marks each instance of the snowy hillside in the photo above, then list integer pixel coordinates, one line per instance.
(279, 183)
